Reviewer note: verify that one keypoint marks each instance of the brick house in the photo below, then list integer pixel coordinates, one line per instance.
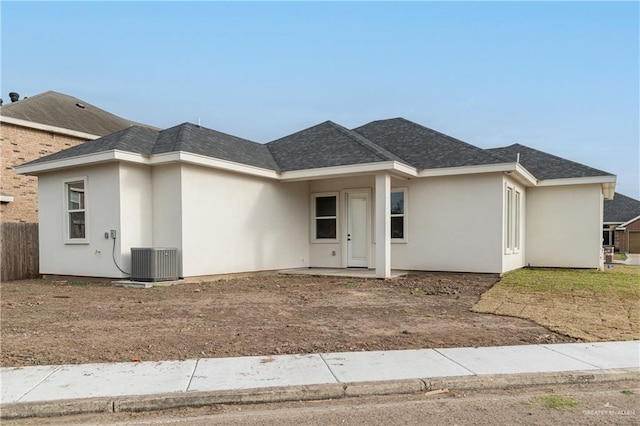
(628, 236)
(41, 125)
(619, 216)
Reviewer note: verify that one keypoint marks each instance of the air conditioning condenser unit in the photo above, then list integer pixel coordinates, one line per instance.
(154, 264)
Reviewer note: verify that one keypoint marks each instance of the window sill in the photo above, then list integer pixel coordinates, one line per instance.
(76, 242)
(327, 241)
(399, 241)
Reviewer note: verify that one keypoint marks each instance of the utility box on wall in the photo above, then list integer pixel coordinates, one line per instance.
(154, 264)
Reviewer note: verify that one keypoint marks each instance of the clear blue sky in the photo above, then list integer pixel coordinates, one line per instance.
(559, 77)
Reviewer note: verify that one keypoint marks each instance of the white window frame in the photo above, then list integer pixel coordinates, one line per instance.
(314, 238)
(67, 211)
(512, 219)
(517, 211)
(404, 215)
(508, 219)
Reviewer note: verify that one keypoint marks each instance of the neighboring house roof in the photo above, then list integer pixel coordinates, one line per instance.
(621, 209)
(545, 166)
(422, 147)
(67, 112)
(395, 143)
(326, 145)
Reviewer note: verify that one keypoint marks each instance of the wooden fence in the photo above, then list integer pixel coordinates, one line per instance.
(19, 253)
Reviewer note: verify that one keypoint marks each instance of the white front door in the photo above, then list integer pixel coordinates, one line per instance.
(357, 235)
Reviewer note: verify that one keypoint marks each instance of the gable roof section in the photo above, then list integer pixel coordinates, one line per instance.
(67, 112)
(621, 209)
(545, 166)
(326, 145)
(188, 137)
(422, 147)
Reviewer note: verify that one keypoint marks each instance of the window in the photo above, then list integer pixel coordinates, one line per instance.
(325, 217)
(516, 223)
(512, 220)
(398, 208)
(76, 221)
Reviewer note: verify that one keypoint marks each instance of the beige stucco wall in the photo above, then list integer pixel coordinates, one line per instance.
(564, 226)
(167, 208)
(19, 145)
(237, 223)
(102, 214)
(455, 224)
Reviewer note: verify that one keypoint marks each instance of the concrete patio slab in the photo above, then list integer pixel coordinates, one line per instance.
(119, 379)
(16, 382)
(391, 365)
(602, 354)
(260, 371)
(340, 272)
(513, 359)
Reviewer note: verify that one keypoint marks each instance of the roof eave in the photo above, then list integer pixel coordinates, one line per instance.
(215, 163)
(621, 227)
(516, 170)
(47, 128)
(81, 161)
(394, 167)
(608, 183)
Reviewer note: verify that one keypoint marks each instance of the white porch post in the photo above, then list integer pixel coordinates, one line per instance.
(383, 225)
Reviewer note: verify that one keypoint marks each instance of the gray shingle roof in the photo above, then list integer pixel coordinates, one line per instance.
(621, 209)
(139, 140)
(422, 147)
(325, 145)
(329, 144)
(60, 110)
(545, 166)
(185, 137)
(188, 137)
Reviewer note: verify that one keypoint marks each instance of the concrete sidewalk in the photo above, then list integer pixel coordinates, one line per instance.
(138, 386)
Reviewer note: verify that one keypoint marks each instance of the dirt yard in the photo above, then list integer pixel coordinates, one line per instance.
(58, 322)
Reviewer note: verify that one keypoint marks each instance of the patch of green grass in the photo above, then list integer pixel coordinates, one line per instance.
(621, 280)
(350, 284)
(620, 256)
(627, 392)
(556, 402)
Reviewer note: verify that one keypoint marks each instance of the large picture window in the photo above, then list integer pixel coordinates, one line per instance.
(325, 217)
(398, 214)
(76, 214)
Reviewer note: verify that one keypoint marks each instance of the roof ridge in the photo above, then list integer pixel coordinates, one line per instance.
(368, 144)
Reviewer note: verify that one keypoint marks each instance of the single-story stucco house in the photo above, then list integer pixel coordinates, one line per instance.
(388, 194)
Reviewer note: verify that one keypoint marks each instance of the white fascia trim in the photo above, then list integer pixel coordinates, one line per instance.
(522, 173)
(578, 181)
(83, 160)
(48, 128)
(628, 222)
(6, 199)
(340, 171)
(608, 183)
(202, 160)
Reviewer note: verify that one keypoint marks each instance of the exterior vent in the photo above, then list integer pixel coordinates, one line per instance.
(154, 264)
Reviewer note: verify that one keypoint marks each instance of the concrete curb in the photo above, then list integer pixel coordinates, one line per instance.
(306, 393)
